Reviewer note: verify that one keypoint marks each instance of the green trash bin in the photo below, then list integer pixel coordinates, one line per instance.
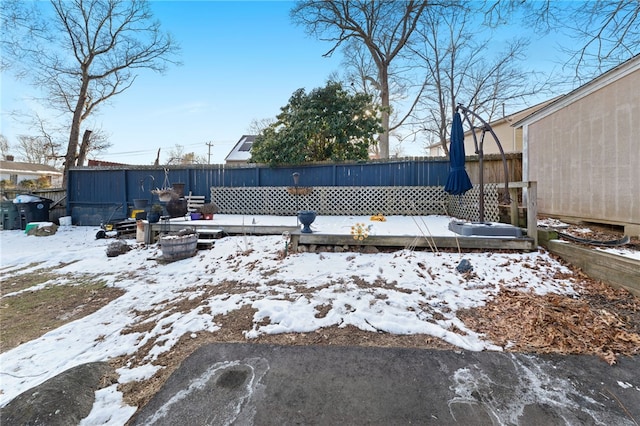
(9, 215)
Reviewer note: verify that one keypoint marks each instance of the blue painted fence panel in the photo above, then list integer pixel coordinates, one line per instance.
(99, 192)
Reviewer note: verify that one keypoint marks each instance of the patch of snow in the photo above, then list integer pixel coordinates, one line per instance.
(621, 251)
(108, 409)
(402, 292)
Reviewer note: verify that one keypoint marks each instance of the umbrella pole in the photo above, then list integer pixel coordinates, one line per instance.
(486, 128)
(481, 181)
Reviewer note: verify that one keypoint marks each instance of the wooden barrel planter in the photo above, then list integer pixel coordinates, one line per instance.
(176, 247)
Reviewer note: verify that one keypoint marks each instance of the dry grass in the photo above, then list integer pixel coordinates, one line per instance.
(33, 304)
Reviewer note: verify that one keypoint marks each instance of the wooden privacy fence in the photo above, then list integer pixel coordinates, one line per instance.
(493, 168)
(397, 185)
(56, 195)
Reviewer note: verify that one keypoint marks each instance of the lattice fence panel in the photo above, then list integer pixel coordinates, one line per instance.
(332, 200)
(467, 206)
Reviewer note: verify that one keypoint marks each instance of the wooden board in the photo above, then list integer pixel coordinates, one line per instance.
(618, 271)
(194, 202)
(403, 241)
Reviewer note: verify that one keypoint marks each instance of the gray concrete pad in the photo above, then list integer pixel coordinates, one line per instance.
(248, 384)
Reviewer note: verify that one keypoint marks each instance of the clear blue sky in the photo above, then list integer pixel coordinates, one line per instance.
(242, 60)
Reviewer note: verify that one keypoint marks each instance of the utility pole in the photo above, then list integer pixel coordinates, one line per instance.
(209, 144)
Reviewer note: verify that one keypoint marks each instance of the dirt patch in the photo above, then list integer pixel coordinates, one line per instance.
(18, 282)
(28, 314)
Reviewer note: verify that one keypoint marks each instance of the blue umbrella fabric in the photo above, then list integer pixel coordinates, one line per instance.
(458, 181)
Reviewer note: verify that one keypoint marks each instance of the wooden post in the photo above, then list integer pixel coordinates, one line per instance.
(515, 217)
(293, 243)
(149, 238)
(532, 211)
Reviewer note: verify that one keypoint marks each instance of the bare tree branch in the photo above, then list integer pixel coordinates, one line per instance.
(461, 67)
(384, 27)
(88, 54)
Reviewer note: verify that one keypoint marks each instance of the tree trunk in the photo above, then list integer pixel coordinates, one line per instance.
(74, 134)
(383, 138)
(84, 147)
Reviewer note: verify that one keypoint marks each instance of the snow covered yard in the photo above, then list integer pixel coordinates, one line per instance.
(402, 292)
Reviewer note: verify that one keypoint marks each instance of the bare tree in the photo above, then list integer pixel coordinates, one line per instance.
(32, 149)
(360, 70)
(91, 52)
(384, 27)
(93, 142)
(604, 33)
(175, 154)
(4, 147)
(359, 76)
(461, 65)
(178, 156)
(41, 147)
(258, 125)
(44, 145)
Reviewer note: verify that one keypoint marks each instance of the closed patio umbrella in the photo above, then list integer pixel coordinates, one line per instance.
(458, 181)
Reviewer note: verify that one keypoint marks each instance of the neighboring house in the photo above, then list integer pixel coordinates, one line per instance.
(101, 163)
(15, 172)
(583, 150)
(241, 152)
(436, 150)
(510, 138)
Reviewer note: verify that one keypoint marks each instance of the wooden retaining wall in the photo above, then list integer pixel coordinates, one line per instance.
(618, 271)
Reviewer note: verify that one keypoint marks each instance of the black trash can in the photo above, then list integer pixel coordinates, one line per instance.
(34, 211)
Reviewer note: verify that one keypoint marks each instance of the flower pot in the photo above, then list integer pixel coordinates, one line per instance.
(306, 218)
(196, 216)
(140, 203)
(208, 216)
(177, 207)
(300, 190)
(153, 217)
(165, 195)
(178, 188)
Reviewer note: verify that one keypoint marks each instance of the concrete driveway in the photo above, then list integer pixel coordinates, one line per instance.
(248, 384)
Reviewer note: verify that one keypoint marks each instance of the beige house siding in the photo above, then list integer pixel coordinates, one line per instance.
(584, 151)
(507, 135)
(510, 137)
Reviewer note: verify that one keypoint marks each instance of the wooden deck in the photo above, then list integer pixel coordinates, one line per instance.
(152, 230)
(529, 242)
(403, 241)
(205, 227)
